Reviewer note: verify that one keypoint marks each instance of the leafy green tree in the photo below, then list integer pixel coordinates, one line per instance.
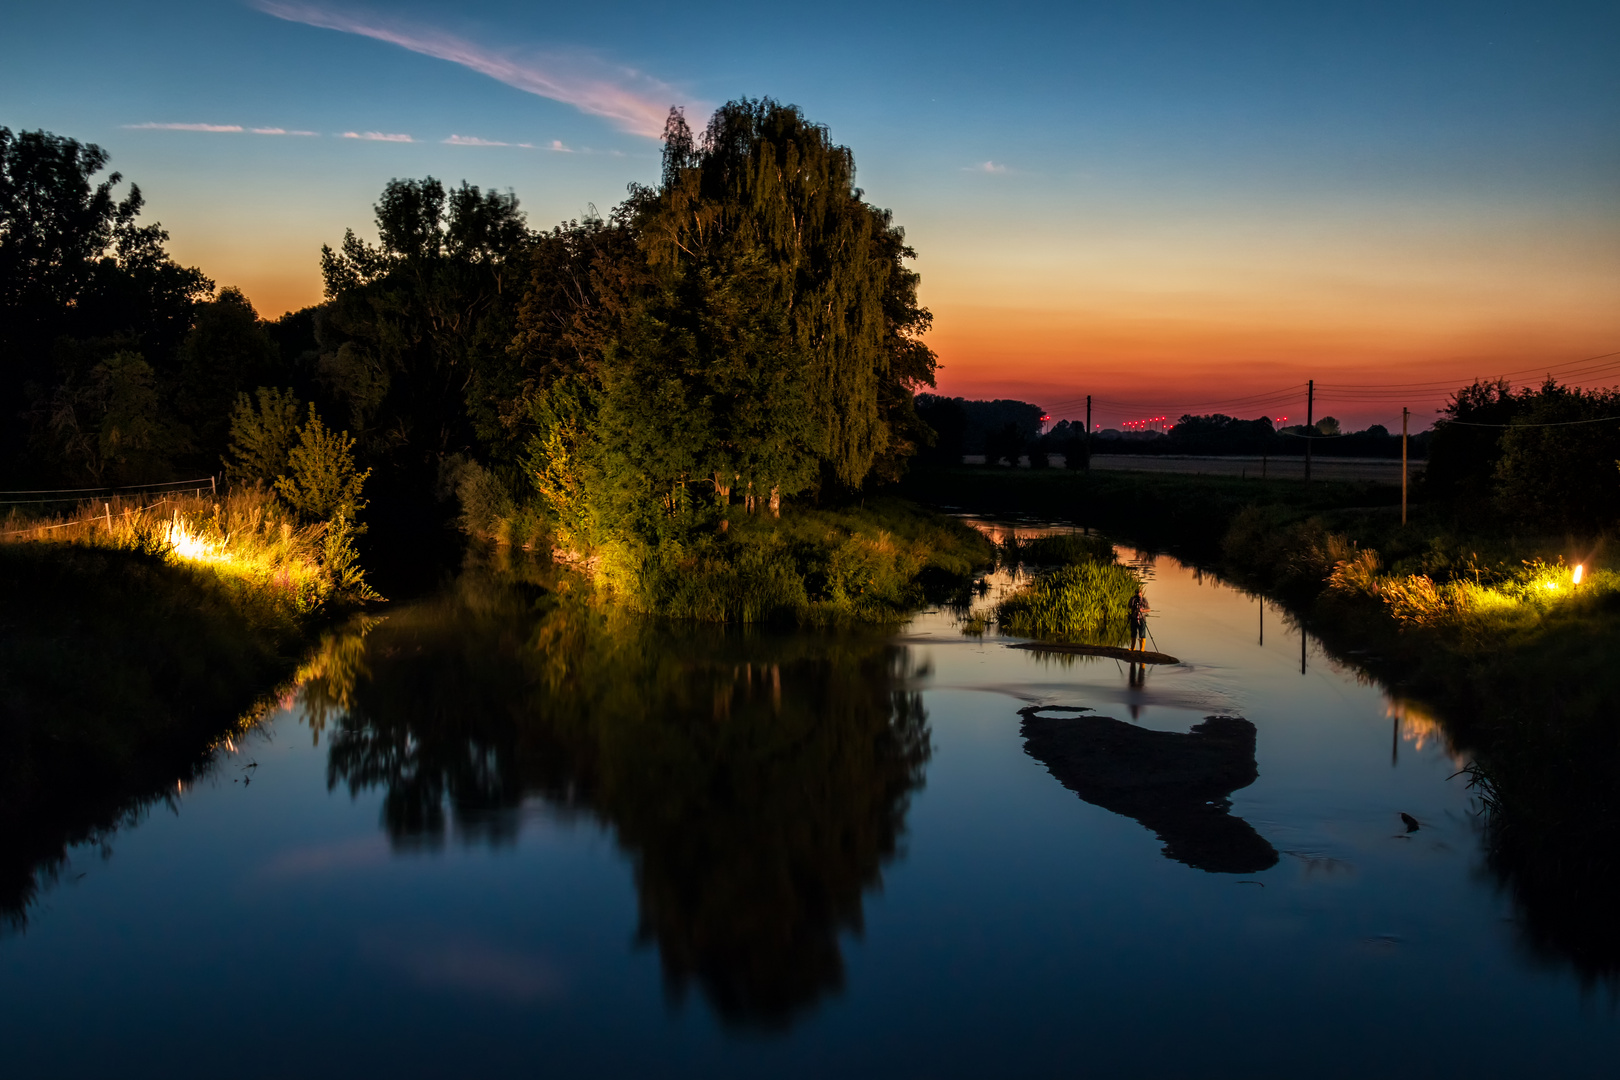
(264, 429)
(322, 481)
(1554, 467)
(415, 337)
(77, 268)
(766, 197)
(1467, 442)
(747, 330)
(226, 350)
(110, 428)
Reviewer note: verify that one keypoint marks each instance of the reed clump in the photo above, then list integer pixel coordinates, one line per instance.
(1082, 603)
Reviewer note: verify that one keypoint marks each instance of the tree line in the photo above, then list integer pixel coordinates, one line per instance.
(746, 330)
(1006, 431)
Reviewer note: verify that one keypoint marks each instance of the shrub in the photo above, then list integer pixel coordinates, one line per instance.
(1086, 602)
(322, 481)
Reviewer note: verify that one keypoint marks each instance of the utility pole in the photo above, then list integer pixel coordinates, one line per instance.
(1088, 433)
(1310, 425)
(1405, 413)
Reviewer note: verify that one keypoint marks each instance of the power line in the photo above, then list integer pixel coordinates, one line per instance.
(1550, 423)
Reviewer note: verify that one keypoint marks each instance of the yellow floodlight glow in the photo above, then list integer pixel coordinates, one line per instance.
(1578, 569)
(188, 545)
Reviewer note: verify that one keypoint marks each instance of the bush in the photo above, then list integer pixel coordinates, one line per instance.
(322, 482)
(1085, 603)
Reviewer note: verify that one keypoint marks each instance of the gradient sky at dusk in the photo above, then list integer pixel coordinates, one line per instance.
(1162, 204)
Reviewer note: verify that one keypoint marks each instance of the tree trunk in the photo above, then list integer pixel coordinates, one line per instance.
(776, 503)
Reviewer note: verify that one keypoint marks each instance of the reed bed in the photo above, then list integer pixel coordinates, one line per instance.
(1083, 603)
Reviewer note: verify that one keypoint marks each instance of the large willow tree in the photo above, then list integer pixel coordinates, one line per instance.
(764, 339)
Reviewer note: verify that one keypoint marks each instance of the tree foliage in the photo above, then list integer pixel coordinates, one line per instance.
(1557, 463)
(111, 427)
(747, 330)
(322, 481)
(417, 326)
(83, 285)
(264, 429)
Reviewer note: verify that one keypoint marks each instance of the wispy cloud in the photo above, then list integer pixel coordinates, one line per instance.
(226, 128)
(184, 127)
(375, 136)
(986, 167)
(473, 140)
(634, 102)
(557, 145)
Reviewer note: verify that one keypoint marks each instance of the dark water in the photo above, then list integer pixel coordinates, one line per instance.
(501, 832)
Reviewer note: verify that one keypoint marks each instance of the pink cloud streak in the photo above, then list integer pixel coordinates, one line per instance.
(632, 101)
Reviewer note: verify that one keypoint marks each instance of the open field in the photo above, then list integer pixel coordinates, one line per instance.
(1253, 467)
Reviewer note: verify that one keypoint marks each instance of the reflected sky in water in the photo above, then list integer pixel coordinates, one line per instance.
(502, 830)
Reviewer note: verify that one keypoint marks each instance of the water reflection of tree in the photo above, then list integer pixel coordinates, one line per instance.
(760, 781)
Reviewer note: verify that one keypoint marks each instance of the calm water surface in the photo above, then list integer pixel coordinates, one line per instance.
(502, 833)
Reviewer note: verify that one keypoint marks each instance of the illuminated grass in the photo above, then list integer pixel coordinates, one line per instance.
(1499, 598)
(1084, 603)
(246, 538)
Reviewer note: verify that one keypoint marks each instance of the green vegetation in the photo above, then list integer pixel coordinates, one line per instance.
(868, 564)
(1083, 603)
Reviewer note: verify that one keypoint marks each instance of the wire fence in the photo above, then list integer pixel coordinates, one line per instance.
(89, 521)
(74, 495)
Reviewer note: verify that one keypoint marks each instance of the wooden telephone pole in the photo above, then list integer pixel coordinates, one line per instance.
(1310, 426)
(1405, 413)
(1087, 443)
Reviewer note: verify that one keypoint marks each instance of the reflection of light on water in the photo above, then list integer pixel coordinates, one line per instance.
(1418, 727)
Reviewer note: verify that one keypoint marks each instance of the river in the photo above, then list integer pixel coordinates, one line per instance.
(499, 831)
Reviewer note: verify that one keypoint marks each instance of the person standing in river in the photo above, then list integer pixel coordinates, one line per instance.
(1138, 609)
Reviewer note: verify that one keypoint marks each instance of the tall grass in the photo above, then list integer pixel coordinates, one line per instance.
(1490, 600)
(246, 538)
(1084, 603)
